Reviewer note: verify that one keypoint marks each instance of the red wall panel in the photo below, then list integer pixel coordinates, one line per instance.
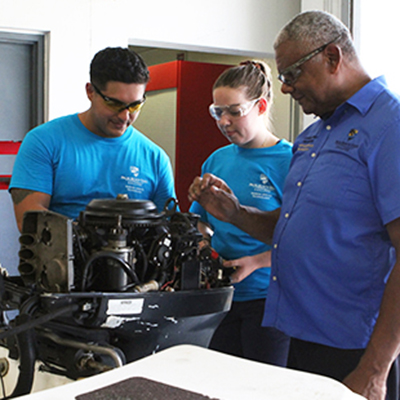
(7, 148)
(163, 76)
(197, 135)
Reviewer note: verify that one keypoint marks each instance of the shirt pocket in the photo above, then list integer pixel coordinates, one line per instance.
(338, 182)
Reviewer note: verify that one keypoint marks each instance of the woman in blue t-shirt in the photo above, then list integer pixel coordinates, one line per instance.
(254, 166)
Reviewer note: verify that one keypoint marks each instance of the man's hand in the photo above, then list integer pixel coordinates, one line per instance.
(215, 197)
(201, 183)
(360, 382)
(369, 378)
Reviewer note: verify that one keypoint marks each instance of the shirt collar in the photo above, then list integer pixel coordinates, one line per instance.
(366, 96)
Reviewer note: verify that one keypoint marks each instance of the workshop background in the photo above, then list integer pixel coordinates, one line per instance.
(46, 47)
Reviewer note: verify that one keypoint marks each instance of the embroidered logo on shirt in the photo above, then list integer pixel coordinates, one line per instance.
(345, 145)
(307, 143)
(310, 139)
(304, 147)
(352, 134)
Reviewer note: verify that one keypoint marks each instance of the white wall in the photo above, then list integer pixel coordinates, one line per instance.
(79, 28)
(377, 46)
(158, 120)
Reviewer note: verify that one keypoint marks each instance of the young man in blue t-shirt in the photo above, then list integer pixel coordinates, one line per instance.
(65, 163)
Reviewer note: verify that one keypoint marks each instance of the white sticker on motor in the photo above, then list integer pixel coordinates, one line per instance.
(115, 322)
(125, 306)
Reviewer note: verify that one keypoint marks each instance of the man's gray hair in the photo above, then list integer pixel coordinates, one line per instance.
(315, 28)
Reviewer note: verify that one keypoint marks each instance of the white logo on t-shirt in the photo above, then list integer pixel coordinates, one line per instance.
(135, 171)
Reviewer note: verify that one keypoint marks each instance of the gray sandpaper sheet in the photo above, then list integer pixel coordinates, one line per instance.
(141, 389)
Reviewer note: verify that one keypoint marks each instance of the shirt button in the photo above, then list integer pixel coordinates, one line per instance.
(274, 278)
(287, 215)
(275, 246)
(313, 154)
(299, 184)
(328, 127)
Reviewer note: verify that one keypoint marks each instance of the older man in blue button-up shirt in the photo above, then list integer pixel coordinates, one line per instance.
(336, 247)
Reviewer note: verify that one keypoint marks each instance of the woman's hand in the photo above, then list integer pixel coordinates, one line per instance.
(247, 265)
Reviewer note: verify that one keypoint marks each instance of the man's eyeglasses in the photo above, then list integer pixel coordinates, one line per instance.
(290, 75)
(234, 110)
(119, 106)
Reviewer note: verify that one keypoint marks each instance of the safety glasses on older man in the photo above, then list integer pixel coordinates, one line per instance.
(118, 106)
(290, 75)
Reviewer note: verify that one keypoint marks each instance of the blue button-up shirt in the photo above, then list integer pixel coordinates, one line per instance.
(331, 251)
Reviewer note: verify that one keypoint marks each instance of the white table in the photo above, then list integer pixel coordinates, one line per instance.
(211, 374)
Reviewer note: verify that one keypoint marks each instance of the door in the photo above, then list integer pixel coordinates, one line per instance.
(21, 99)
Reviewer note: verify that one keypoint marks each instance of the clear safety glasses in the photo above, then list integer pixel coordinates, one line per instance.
(234, 110)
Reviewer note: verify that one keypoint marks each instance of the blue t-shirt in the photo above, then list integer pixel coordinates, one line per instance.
(67, 161)
(256, 176)
(332, 253)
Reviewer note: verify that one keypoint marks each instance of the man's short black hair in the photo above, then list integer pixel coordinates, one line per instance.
(118, 64)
